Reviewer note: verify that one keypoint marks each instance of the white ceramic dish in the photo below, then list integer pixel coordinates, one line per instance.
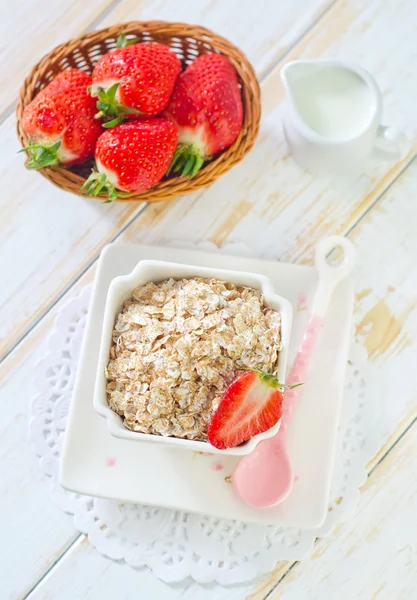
(98, 464)
(121, 288)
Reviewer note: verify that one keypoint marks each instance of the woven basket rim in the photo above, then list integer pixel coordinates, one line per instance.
(172, 187)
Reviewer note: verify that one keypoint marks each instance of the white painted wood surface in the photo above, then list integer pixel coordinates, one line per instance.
(30, 29)
(374, 555)
(49, 239)
(62, 233)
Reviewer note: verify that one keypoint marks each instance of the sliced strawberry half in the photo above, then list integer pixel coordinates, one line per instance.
(251, 405)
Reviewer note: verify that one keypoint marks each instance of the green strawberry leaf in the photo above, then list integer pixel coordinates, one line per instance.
(129, 110)
(180, 163)
(98, 183)
(197, 166)
(111, 111)
(42, 155)
(111, 93)
(122, 41)
(187, 160)
(113, 194)
(113, 123)
(272, 380)
(189, 165)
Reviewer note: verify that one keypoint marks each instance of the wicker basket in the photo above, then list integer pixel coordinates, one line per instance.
(188, 42)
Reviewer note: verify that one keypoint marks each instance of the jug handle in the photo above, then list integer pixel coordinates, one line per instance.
(391, 143)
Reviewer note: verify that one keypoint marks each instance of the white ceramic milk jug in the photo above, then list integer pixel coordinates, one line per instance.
(332, 117)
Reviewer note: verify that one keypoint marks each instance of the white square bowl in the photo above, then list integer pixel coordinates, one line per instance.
(121, 289)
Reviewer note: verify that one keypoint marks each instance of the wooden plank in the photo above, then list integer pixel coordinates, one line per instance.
(29, 30)
(386, 273)
(108, 580)
(267, 201)
(48, 239)
(34, 532)
(263, 30)
(373, 555)
(53, 236)
(386, 324)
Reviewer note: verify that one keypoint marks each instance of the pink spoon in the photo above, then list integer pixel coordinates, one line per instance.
(264, 477)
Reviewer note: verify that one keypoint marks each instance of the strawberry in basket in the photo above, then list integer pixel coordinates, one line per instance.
(207, 107)
(134, 81)
(60, 122)
(132, 157)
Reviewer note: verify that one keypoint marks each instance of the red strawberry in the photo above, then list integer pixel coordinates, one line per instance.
(251, 404)
(60, 122)
(132, 157)
(134, 80)
(207, 107)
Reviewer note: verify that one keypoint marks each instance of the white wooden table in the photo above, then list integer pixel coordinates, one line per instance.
(50, 242)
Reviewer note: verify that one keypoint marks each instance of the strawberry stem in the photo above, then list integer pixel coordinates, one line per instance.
(97, 183)
(272, 380)
(113, 123)
(122, 41)
(42, 155)
(187, 160)
(109, 109)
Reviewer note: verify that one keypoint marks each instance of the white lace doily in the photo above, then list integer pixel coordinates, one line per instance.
(176, 544)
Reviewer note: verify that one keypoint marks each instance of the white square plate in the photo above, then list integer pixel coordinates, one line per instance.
(97, 464)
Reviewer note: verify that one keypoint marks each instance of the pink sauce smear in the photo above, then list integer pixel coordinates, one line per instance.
(217, 466)
(302, 298)
(110, 462)
(298, 371)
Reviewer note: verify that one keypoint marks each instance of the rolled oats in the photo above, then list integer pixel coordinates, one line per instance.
(177, 345)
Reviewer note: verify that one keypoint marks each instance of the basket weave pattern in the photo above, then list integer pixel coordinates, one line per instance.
(188, 42)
